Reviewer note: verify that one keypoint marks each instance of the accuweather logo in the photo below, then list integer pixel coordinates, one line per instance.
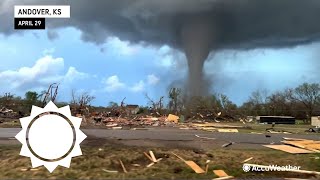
(50, 136)
(260, 168)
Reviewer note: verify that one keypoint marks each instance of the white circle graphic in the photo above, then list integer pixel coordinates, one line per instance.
(246, 168)
(45, 136)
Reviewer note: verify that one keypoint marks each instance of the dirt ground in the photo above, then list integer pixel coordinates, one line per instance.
(100, 155)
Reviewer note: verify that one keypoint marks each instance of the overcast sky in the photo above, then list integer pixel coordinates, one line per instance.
(116, 69)
(254, 45)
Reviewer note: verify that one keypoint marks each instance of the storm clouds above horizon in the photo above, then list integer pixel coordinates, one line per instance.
(236, 25)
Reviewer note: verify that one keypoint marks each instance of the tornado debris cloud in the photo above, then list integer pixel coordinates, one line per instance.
(196, 42)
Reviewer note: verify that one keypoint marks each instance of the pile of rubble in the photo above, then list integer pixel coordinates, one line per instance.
(8, 113)
(133, 121)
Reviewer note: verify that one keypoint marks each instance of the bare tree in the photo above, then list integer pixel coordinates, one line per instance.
(157, 106)
(175, 102)
(309, 96)
(81, 102)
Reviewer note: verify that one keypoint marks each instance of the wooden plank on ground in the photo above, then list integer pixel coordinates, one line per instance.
(154, 159)
(228, 130)
(313, 146)
(123, 167)
(297, 144)
(148, 156)
(220, 173)
(195, 167)
(191, 164)
(289, 149)
(224, 178)
(294, 139)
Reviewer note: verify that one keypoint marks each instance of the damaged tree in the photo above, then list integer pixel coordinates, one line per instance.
(80, 103)
(156, 106)
(50, 94)
(175, 104)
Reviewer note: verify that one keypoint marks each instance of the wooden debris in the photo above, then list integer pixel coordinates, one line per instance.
(24, 169)
(247, 160)
(152, 156)
(29, 169)
(191, 164)
(148, 156)
(228, 130)
(209, 129)
(109, 171)
(293, 139)
(204, 137)
(136, 165)
(123, 167)
(207, 166)
(151, 164)
(288, 170)
(224, 178)
(256, 133)
(173, 118)
(227, 144)
(307, 144)
(289, 149)
(220, 173)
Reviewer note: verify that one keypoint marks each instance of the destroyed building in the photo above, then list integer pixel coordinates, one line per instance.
(132, 109)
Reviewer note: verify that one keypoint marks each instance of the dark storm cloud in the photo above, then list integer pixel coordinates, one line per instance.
(237, 23)
(193, 26)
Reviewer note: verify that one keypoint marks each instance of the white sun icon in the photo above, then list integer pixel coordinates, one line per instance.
(50, 136)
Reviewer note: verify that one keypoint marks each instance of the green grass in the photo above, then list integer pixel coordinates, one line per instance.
(90, 165)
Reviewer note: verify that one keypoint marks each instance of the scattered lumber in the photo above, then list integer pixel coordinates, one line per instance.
(307, 144)
(153, 157)
(148, 156)
(246, 160)
(192, 165)
(204, 137)
(228, 130)
(289, 149)
(123, 167)
(224, 178)
(220, 173)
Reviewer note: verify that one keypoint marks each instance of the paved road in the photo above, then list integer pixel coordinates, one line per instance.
(173, 137)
